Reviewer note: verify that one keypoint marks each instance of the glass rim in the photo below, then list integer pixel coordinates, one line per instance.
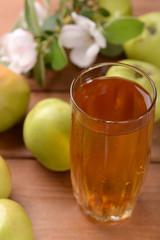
(92, 67)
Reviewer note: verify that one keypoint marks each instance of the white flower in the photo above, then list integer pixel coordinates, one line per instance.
(84, 40)
(19, 49)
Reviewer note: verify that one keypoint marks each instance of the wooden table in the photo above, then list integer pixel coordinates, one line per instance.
(47, 196)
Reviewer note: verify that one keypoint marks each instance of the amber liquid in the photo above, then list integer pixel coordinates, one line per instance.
(107, 169)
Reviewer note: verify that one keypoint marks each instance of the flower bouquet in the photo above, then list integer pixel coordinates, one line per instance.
(39, 39)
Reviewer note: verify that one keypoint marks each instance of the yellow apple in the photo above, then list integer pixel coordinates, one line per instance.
(14, 222)
(5, 179)
(146, 47)
(116, 7)
(152, 71)
(14, 98)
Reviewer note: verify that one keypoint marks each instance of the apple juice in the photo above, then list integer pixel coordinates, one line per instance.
(110, 149)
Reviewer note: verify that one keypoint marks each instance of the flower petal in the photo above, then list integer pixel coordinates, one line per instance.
(5, 41)
(84, 57)
(92, 51)
(82, 21)
(20, 50)
(73, 36)
(23, 63)
(99, 38)
(41, 12)
(15, 67)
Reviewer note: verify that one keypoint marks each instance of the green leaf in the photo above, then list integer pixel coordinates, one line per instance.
(50, 23)
(39, 70)
(75, 3)
(89, 13)
(78, 4)
(31, 17)
(58, 56)
(104, 12)
(122, 29)
(112, 50)
(47, 5)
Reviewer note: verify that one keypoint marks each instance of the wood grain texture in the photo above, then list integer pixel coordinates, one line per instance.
(47, 197)
(11, 141)
(145, 6)
(9, 12)
(61, 80)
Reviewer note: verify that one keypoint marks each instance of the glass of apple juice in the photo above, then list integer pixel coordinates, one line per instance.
(113, 108)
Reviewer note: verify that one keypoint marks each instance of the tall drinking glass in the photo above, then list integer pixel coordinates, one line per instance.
(113, 108)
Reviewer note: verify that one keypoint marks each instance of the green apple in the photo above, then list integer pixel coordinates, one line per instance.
(5, 179)
(116, 8)
(152, 71)
(46, 133)
(14, 222)
(14, 98)
(146, 46)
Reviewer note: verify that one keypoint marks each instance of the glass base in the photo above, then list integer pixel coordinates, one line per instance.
(110, 218)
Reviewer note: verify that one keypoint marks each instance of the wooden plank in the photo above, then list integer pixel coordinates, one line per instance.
(9, 12)
(11, 141)
(156, 143)
(47, 197)
(61, 80)
(145, 6)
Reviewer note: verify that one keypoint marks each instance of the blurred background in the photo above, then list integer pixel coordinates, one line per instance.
(9, 11)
